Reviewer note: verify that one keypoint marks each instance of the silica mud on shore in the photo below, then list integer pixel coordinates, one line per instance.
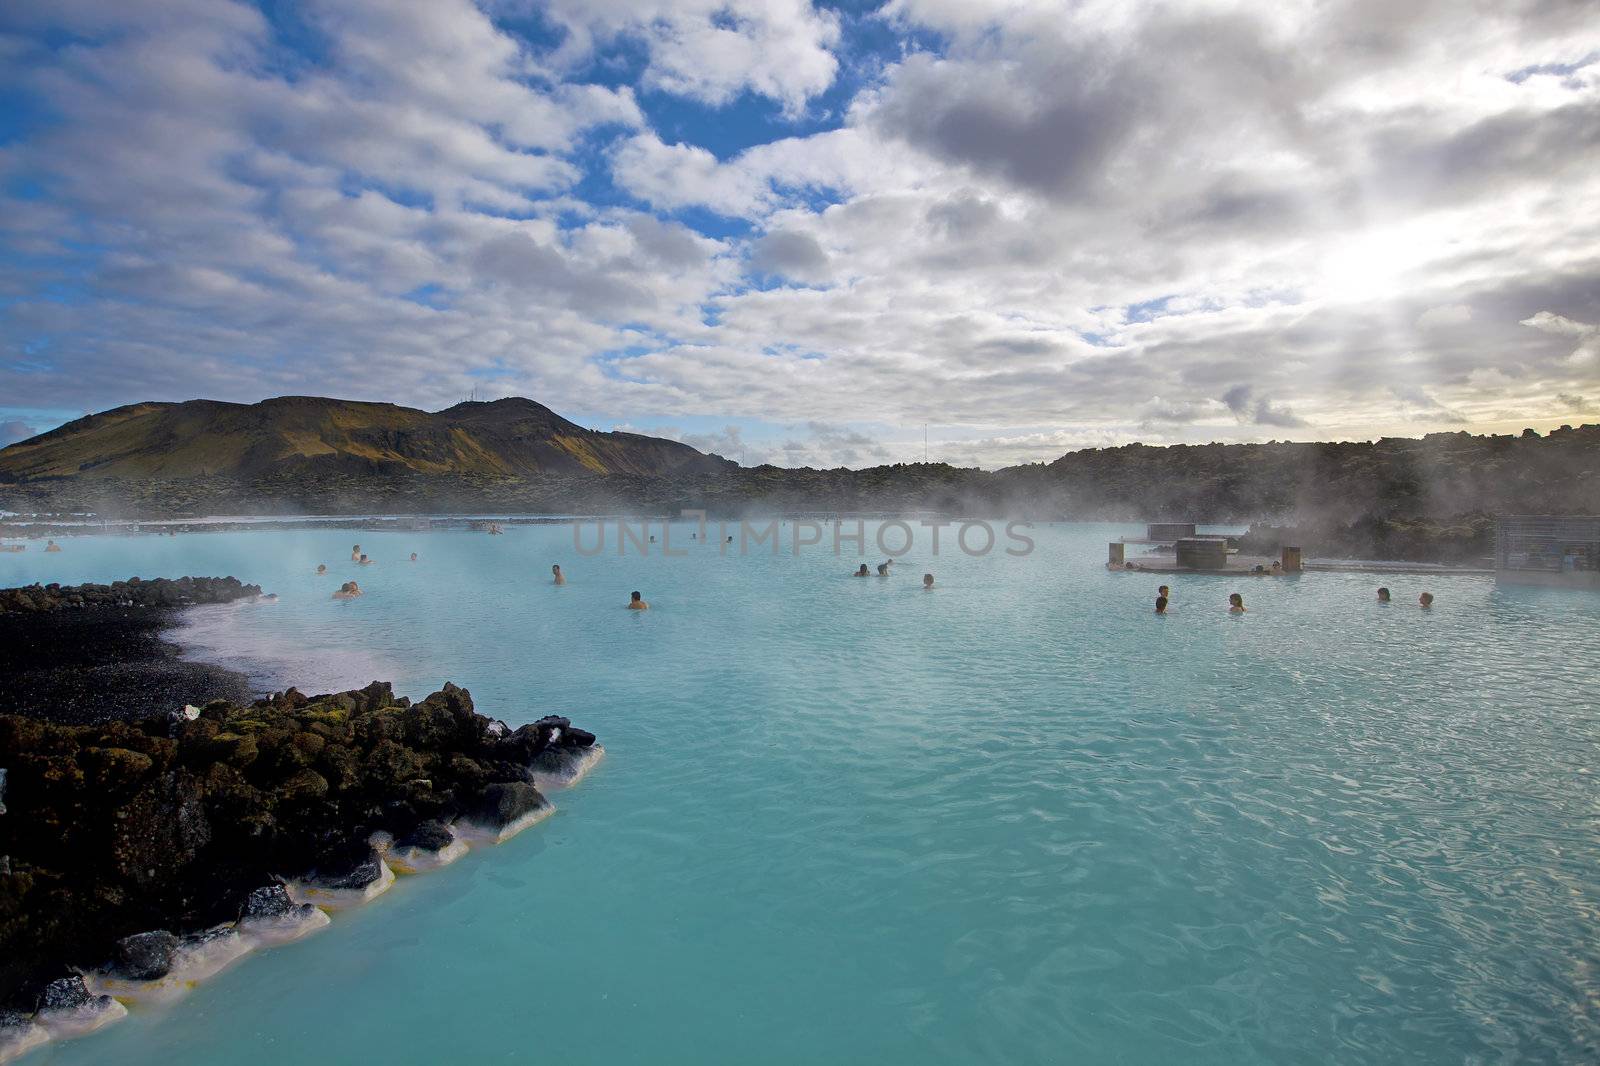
(144, 850)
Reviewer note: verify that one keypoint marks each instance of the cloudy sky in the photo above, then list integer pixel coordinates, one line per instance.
(801, 233)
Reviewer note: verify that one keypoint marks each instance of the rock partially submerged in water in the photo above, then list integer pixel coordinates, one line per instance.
(270, 916)
(145, 956)
(68, 1008)
(568, 754)
(158, 967)
(427, 847)
(19, 1034)
(128, 838)
(345, 879)
(504, 809)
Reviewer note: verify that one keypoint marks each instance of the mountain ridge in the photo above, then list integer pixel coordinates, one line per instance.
(513, 437)
(1431, 497)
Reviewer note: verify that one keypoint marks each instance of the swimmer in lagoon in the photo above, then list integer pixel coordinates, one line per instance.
(559, 577)
(1383, 595)
(364, 561)
(51, 546)
(1161, 605)
(863, 572)
(927, 581)
(413, 556)
(883, 568)
(1235, 603)
(347, 591)
(1425, 600)
(322, 568)
(637, 603)
(1164, 592)
(355, 553)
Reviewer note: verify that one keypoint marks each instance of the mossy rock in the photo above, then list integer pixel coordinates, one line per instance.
(234, 749)
(114, 769)
(341, 765)
(389, 763)
(303, 787)
(309, 745)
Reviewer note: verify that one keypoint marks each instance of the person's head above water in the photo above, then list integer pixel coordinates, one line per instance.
(1426, 599)
(1383, 595)
(1163, 591)
(927, 581)
(636, 597)
(413, 556)
(1161, 605)
(637, 603)
(1235, 602)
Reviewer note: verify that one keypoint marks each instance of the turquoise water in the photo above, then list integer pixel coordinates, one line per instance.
(1017, 819)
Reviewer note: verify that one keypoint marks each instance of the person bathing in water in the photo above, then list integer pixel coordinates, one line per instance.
(637, 603)
(927, 581)
(355, 553)
(558, 577)
(863, 572)
(1425, 601)
(51, 546)
(322, 568)
(1161, 604)
(883, 568)
(1235, 603)
(413, 556)
(1383, 595)
(364, 561)
(347, 591)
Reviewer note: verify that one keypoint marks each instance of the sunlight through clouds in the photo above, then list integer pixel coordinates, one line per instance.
(1029, 222)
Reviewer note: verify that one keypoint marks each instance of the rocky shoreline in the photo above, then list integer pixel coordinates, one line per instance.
(85, 653)
(138, 856)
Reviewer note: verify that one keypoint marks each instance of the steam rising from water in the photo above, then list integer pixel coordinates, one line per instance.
(223, 635)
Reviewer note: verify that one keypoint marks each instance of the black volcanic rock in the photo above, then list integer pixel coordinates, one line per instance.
(429, 836)
(502, 803)
(145, 956)
(353, 867)
(67, 993)
(133, 593)
(269, 901)
(118, 828)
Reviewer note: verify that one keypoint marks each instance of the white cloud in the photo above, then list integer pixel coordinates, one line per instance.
(712, 50)
(1586, 334)
(1071, 225)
